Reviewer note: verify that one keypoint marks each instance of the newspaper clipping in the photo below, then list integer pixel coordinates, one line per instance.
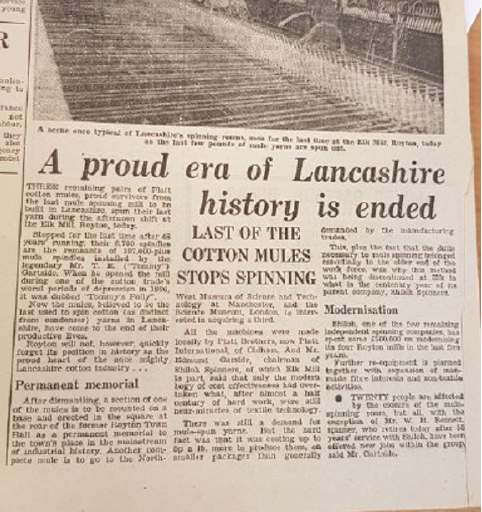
(237, 256)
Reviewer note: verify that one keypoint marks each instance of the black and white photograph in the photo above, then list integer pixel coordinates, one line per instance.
(328, 65)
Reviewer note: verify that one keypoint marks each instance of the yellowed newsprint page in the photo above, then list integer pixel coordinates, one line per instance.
(237, 257)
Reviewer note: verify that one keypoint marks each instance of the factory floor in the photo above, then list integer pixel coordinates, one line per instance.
(148, 62)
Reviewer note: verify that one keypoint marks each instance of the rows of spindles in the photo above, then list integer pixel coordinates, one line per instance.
(427, 22)
(424, 24)
(401, 96)
(426, 9)
(368, 14)
(255, 77)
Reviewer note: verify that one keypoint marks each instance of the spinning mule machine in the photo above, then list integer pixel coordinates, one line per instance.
(229, 63)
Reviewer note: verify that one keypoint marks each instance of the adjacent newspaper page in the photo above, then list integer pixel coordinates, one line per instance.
(237, 257)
